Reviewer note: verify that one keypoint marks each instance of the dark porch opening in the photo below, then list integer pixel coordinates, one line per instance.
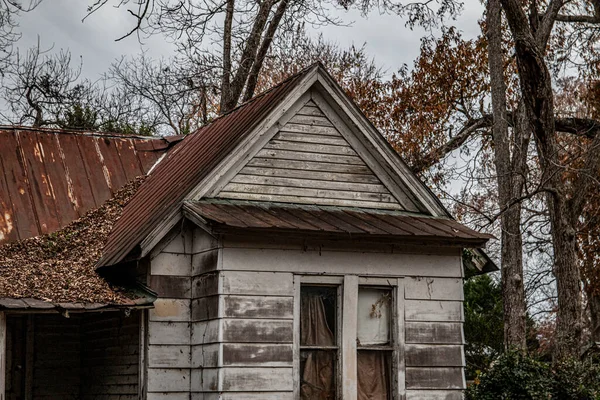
(85, 356)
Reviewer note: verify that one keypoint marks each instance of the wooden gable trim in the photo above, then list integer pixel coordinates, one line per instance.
(342, 104)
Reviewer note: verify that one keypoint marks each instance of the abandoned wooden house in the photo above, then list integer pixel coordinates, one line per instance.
(284, 251)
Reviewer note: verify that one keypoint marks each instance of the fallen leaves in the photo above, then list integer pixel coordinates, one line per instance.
(60, 266)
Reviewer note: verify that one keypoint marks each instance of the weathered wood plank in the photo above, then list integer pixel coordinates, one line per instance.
(427, 288)
(206, 332)
(309, 165)
(310, 174)
(257, 331)
(434, 333)
(307, 182)
(434, 310)
(434, 378)
(205, 380)
(313, 157)
(168, 333)
(168, 380)
(205, 355)
(169, 356)
(311, 109)
(310, 120)
(256, 379)
(204, 262)
(310, 200)
(258, 307)
(256, 396)
(420, 355)
(205, 285)
(340, 150)
(434, 395)
(308, 192)
(176, 287)
(311, 138)
(205, 308)
(332, 262)
(171, 264)
(170, 310)
(257, 283)
(308, 129)
(257, 355)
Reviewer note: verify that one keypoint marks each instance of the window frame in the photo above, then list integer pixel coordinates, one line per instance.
(346, 332)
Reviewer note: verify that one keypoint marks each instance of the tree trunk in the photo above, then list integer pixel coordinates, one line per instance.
(536, 87)
(566, 271)
(513, 293)
(594, 304)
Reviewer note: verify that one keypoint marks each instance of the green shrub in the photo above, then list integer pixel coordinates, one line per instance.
(514, 376)
(578, 380)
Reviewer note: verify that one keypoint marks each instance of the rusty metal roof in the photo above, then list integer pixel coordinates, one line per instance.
(185, 167)
(329, 219)
(49, 178)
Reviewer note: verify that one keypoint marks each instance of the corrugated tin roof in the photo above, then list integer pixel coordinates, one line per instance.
(185, 167)
(330, 219)
(49, 178)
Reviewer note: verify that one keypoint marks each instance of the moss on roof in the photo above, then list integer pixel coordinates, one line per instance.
(60, 266)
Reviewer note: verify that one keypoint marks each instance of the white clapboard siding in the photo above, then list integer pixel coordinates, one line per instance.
(434, 310)
(434, 395)
(434, 333)
(428, 288)
(237, 379)
(434, 378)
(337, 262)
(309, 161)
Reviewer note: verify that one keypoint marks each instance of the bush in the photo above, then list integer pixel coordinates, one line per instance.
(516, 376)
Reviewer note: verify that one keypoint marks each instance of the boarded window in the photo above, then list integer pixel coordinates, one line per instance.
(374, 343)
(318, 344)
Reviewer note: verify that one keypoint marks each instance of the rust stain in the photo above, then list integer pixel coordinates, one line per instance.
(37, 149)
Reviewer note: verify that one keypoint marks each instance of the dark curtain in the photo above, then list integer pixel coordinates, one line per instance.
(373, 375)
(318, 372)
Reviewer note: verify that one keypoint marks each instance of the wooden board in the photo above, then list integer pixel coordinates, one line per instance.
(258, 307)
(423, 355)
(257, 355)
(434, 310)
(331, 262)
(257, 283)
(434, 378)
(428, 288)
(309, 161)
(257, 331)
(434, 333)
(256, 379)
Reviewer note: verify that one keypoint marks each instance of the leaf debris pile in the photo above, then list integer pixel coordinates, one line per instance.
(60, 267)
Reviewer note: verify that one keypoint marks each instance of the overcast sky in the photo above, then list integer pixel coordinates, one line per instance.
(59, 23)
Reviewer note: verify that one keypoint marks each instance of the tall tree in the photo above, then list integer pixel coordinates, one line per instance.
(531, 34)
(236, 35)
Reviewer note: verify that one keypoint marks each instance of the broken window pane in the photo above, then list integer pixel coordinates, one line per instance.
(374, 316)
(374, 373)
(318, 316)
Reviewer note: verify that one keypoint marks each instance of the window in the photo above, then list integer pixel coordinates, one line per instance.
(318, 342)
(349, 340)
(374, 343)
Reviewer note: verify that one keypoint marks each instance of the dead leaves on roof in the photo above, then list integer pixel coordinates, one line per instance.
(60, 266)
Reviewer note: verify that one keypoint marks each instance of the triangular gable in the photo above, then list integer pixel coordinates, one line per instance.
(321, 151)
(309, 161)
